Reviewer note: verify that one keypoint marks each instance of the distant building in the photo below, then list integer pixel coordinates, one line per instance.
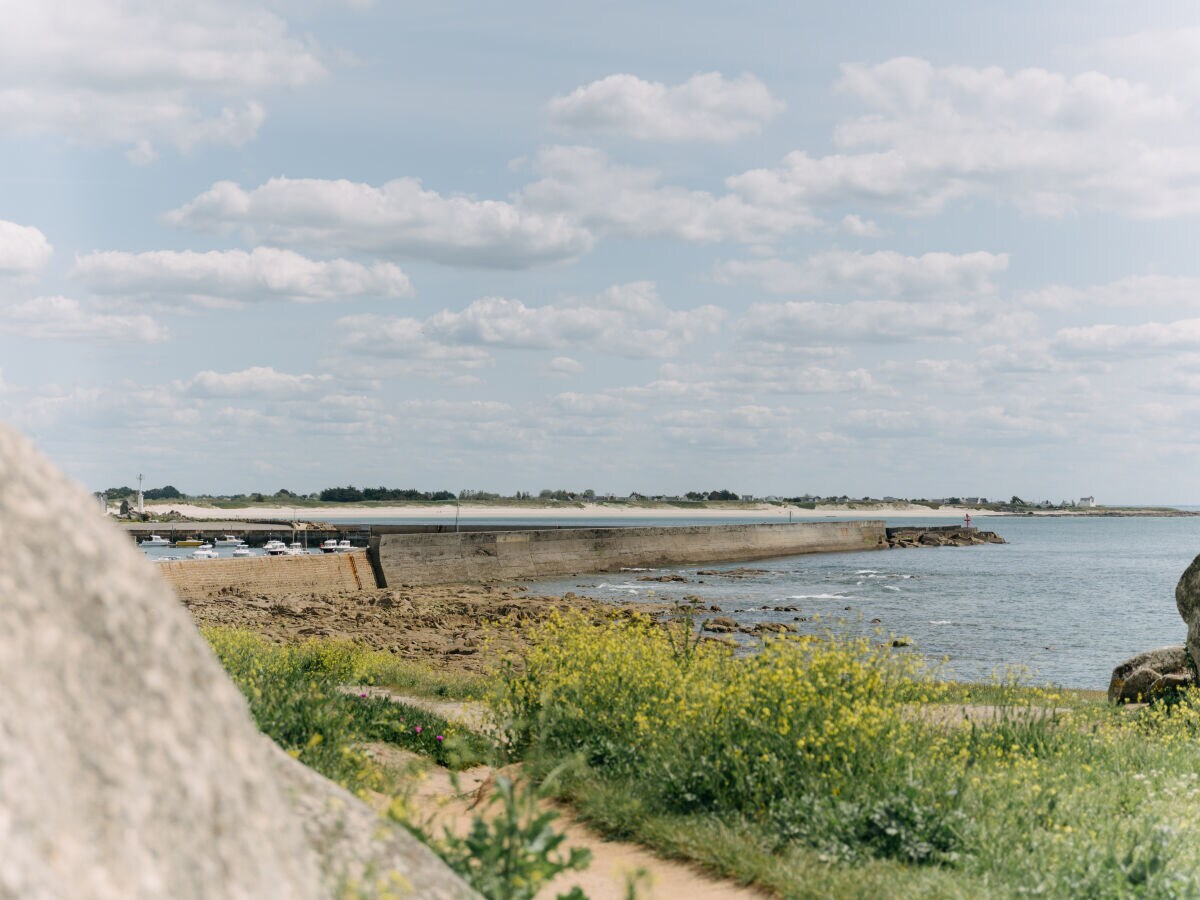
(1087, 501)
(974, 501)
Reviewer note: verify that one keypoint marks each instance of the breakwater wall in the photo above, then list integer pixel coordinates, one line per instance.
(327, 573)
(445, 558)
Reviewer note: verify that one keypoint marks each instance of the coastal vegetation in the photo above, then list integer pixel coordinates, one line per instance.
(816, 767)
(559, 498)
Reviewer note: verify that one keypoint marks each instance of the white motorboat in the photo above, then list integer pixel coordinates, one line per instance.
(329, 546)
(344, 546)
(204, 553)
(294, 549)
(242, 550)
(229, 540)
(155, 540)
(275, 548)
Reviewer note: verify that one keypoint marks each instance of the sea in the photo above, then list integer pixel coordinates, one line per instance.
(1064, 601)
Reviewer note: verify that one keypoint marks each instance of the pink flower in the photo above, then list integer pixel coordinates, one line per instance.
(440, 738)
(418, 729)
(362, 695)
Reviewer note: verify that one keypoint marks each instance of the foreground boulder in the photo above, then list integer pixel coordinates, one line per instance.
(129, 764)
(1151, 674)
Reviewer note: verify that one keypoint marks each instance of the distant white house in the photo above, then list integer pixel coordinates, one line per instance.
(1087, 501)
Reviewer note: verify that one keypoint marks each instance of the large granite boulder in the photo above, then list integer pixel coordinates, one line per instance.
(129, 764)
(1187, 600)
(1152, 674)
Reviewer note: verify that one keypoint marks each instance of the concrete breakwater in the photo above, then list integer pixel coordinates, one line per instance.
(326, 573)
(424, 555)
(515, 555)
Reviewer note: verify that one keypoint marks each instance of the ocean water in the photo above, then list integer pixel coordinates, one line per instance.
(1065, 599)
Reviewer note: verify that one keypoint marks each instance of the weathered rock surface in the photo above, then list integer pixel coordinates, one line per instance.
(1187, 601)
(1151, 674)
(940, 536)
(129, 764)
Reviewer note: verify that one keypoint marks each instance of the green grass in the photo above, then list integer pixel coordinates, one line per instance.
(811, 771)
(297, 696)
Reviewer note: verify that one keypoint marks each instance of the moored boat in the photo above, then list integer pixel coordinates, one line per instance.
(155, 540)
(229, 540)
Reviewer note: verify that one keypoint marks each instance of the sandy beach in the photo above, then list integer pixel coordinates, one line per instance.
(763, 511)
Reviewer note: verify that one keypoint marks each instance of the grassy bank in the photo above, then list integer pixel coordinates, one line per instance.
(297, 695)
(838, 768)
(816, 768)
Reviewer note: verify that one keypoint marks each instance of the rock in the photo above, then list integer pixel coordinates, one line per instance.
(1187, 601)
(1151, 674)
(901, 642)
(129, 764)
(665, 579)
(771, 628)
(720, 625)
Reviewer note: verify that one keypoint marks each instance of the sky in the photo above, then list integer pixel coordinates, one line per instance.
(925, 250)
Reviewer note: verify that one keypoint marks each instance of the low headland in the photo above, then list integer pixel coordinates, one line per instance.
(572, 510)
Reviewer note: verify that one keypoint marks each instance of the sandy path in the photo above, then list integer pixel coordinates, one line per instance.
(615, 864)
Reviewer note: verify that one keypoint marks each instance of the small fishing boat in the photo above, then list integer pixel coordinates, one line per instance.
(329, 546)
(204, 553)
(155, 540)
(344, 546)
(229, 540)
(243, 550)
(275, 548)
(190, 542)
(294, 549)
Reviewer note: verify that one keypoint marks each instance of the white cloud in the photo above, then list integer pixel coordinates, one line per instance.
(706, 107)
(402, 337)
(235, 275)
(114, 71)
(62, 318)
(865, 321)
(1134, 292)
(564, 366)
(454, 411)
(256, 381)
(592, 405)
(399, 218)
(860, 227)
(585, 185)
(1048, 142)
(23, 249)
(579, 195)
(885, 273)
(1147, 339)
(627, 320)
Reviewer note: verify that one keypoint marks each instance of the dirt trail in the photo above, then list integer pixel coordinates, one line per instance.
(438, 803)
(615, 864)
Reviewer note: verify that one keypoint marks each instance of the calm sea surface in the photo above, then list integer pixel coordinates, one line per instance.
(1067, 598)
